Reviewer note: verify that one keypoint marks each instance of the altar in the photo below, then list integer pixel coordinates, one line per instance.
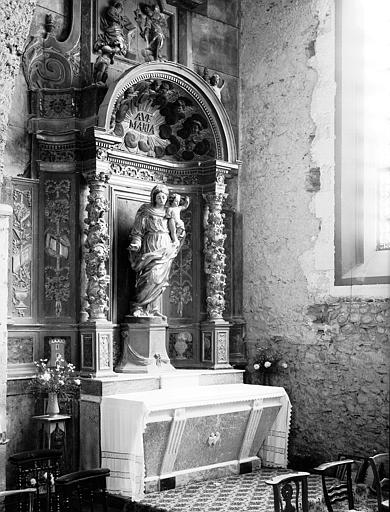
(160, 439)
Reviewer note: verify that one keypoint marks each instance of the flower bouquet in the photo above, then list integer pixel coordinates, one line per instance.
(267, 361)
(57, 381)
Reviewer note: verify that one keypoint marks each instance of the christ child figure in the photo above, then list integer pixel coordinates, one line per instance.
(175, 224)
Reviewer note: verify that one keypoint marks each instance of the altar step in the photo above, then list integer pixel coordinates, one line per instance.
(120, 383)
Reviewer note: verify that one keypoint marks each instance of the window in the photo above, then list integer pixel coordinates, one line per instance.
(362, 142)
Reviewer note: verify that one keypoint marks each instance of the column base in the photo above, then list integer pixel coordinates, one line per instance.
(215, 344)
(144, 347)
(97, 349)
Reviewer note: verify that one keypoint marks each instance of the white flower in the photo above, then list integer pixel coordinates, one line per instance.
(33, 481)
(45, 376)
(284, 365)
(256, 366)
(77, 382)
(267, 364)
(61, 382)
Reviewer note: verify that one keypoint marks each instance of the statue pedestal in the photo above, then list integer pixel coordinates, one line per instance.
(96, 348)
(144, 346)
(215, 344)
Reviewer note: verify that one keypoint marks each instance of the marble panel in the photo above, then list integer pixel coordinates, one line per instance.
(21, 428)
(217, 10)
(229, 93)
(20, 350)
(155, 442)
(268, 416)
(195, 450)
(89, 435)
(215, 45)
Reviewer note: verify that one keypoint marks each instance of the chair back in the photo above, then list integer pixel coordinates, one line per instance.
(336, 482)
(290, 492)
(380, 468)
(82, 486)
(24, 497)
(39, 469)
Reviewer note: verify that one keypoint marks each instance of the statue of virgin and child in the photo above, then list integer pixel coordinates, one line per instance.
(155, 240)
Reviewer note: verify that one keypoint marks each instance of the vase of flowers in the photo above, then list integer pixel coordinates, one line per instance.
(53, 407)
(266, 362)
(58, 381)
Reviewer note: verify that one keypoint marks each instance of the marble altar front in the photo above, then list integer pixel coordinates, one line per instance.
(163, 438)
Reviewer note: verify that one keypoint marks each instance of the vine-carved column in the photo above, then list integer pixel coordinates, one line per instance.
(97, 332)
(215, 331)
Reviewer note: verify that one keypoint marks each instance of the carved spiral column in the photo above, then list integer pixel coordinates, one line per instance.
(97, 332)
(214, 254)
(215, 331)
(97, 245)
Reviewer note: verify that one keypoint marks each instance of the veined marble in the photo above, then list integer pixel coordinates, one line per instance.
(176, 432)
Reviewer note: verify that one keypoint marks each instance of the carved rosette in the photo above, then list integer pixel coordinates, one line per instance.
(97, 246)
(214, 254)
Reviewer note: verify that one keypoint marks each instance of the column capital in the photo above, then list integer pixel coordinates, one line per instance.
(99, 175)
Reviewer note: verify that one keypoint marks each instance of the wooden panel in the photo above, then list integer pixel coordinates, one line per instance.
(23, 255)
(59, 219)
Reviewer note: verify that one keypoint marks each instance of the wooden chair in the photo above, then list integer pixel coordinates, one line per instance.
(290, 492)
(380, 468)
(336, 482)
(82, 486)
(38, 468)
(20, 494)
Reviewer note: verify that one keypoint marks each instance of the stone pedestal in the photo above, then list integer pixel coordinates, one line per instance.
(215, 344)
(144, 346)
(96, 348)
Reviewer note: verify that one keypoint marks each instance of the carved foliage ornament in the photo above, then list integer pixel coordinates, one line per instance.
(97, 247)
(57, 243)
(22, 230)
(181, 271)
(214, 252)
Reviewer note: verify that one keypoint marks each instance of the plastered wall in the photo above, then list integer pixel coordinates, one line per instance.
(337, 377)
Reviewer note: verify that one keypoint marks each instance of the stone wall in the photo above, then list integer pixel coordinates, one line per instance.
(337, 349)
(15, 19)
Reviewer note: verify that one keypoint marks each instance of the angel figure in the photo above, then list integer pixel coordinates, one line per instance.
(175, 223)
(154, 29)
(217, 85)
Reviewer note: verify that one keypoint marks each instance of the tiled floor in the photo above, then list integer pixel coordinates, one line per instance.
(247, 493)
(240, 493)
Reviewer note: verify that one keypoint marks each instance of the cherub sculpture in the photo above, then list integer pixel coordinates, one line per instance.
(175, 223)
(217, 84)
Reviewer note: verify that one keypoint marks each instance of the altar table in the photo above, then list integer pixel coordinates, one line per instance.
(175, 435)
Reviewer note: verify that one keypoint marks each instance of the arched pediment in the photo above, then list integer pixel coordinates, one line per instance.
(167, 111)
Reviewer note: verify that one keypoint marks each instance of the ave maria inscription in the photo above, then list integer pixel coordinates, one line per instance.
(142, 122)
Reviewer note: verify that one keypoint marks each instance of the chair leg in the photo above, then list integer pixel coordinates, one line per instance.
(351, 504)
(105, 506)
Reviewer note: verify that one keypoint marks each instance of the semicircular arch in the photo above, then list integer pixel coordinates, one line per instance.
(192, 86)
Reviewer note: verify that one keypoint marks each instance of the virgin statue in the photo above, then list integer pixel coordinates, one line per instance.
(152, 252)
